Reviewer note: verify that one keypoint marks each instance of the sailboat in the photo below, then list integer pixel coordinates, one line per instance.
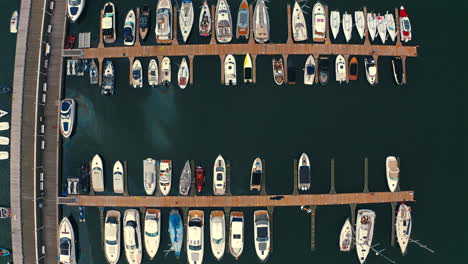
(186, 18)
(382, 28)
(108, 23)
(347, 26)
(152, 231)
(183, 74)
(149, 175)
(185, 179)
(217, 234)
(360, 23)
(3, 113)
(118, 177)
(364, 233)
(318, 23)
(223, 22)
(372, 25)
(243, 20)
(390, 24)
(299, 27)
(153, 73)
(403, 227)
(261, 20)
(335, 23)
(309, 71)
(346, 236)
(204, 22)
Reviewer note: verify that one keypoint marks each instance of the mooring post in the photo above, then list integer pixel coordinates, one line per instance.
(285, 67)
(366, 29)
(125, 164)
(270, 213)
(191, 68)
(332, 175)
(312, 227)
(393, 223)
(327, 27)
(222, 57)
(295, 188)
(366, 175)
(213, 23)
(263, 187)
(290, 41)
(228, 178)
(174, 37)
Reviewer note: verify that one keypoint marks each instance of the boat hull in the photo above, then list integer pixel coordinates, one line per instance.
(183, 75)
(97, 174)
(243, 20)
(74, 12)
(256, 175)
(223, 22)
(364, 233)
(403, 227)
(132, 236)
(164, 19)
(217, 234)
(299, 27)
(230, 70)
(67, 117)
(137, 81)
(346, 236)
(204, 24)
(261, 20)
(309, 71)
(152, 231)
(166, 71)
(153, 73)
(340, 69)
(111, 231)
(262, 234)
(129, 28)
(67, 239)
(318, 23)
(219, 176)
(236, 234)
(186, 18)
(118, 177)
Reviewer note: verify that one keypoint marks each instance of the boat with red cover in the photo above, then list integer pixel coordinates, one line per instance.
(405, 25)
(199, 177)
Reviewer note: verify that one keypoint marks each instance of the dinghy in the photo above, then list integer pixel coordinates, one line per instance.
(347, 26)
(118, 177)
(14, 22)
(186, 19)
(3, 113)
(129, 29)
(340, 69)
(299, 27)
(335, 23)
(230, 70)
(372, 25)
(278, 71)
(243, 20)
(223, 22)
(204, 22)
(360, 23)
(4, 155)
(183, 74)
(318, 23)
(382, 28)
(405, 25)
(153, 73)
(261, 20)
(309, 71)
(390, 24)
(137, 74)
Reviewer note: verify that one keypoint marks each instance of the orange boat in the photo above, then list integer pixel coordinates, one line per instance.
(353, 69)
(243, 20)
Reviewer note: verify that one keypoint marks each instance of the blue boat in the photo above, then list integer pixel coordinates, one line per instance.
(4, 252)
(176, 232)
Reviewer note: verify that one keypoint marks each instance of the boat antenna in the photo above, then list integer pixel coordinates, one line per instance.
(422, 245)
(379, 253)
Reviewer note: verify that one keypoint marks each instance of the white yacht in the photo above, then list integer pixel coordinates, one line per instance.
(372, 25)
(248, 78)
(137, 74)
(230, 70)
(403, 227)
(4, 141)
(262, 234)
(75, 8)
(217, 234)
(112, 236)
(118, 177)
(219, 176)
(67, 117)
(299, 27)
(340, 69)
(236, 234)
(393, 172)
(382, 28)
(309, 71)
(303, 173)
(97, 174)
(318, 23)
(129, 29)
(149, 175)
(335, 23)
(165, 176)
(371, 70)
(163, 27)
(14, 22)
(186, 18)
(346, 236)
(108, 23)
(152, 231)
(66, 242)
(223, 22)
(347, 26)
(166, 71)
(195, 241)
(364, 233)
(360, 23)
(132, 236)
(390, 24)
(261, 21)
(183, 75)
(153, 73)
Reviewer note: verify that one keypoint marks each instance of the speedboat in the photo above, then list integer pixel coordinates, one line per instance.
(230, 70)
(195, 241)
(129, 29)
(291, 70)
(243, 20)
(97, 174)
(364, 233)
(185, 179)
(372, 25)
(183, 74)
(217, 234)
(149, 175)
(166, 71)
(112, 236)
(335, 23)
(152, 231)
(108, 23)
(132, 236)
(66, 242)
(67, 117)
(299, 27)
(176, 232)
(93, 73)
(262, 234)
(199, 178)
(346, 236)
(309, 71)
(318, 23)
(390, 24)
(84, 177)
(118, 177)
(108, 78)
(340, 69)
(219, 176)
(405, 25)
(303, 173)
(137, 74)
(248, 78)
(204, 23)
(14, 22)
(186, 18)
(164, 20)
(256, 175)
(371, 70)
(153, 73)
(4, 155)
(3, 113)
(353, 69)
(144, 22)
(75, 8)
(347, 26)
(393, 172)
(278, 71)
(261, 21)
(403, 227)
(323, 65)
(236, 234)
(397, 66)
(360, 23)
(165, 176)
(4, 126)
(4, 141)
(382, 28)
(223, 22)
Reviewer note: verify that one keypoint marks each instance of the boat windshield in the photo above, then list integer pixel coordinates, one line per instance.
(310, 69)
(74, 2)
(219, 176)
(111, 242)
(194, 248)
(195, 222)
(149, 234)
(65, 246)
(248, 73)
(128, 33)
(262, 234)
(136, 74)
(256, 178)
(65, 106)
(217, 241)
(406, 24)
(353, 69)
(243, 18)
(143, 21)
(236, 236)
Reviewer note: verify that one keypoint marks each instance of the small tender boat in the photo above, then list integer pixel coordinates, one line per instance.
(309, 70)
(382, 28)
(299, 27)
(4, 155)
(176, 232)
(262, 233)
(166, 71)
(108, 23)
(248, 78)
(199, 178)
(108, 78)
(353, 69)
(112, 236)
(303, 173)
(129, 29)
(390, 24)
(14, 22)
(217, 234)
(318, 23)
(243, 20)
(3, 113)
(347, 26)
(403, 227)
(371, 70)
(393, 172)
(405, 25)
(278, 71)
(364, 233)
(195, 237)
(186, 18)
(183, 74)
(66, 242)
(185, 179)
(149, 175)
(97, 174)
(144, 22)
(323, 65)
(397, 66)
(93, 73)
(5, 212)
(230, 70)
(152, 231)
(164, 20)
(137, 74)
(132, 236)
(118, 177)
(372, 25)
(256, 175)
(360, 23)
(223, 22)
(261, 21)
(4, 126)
(84, 177)
(340, 69)
(346, 236)
(153, 73)
(75, 8)
(67, 117)
(219, 176)
(335, 23)
(165, 176)
(204, 23)
(236, 238)
(291, 70)
(4, 141)
(4, 252)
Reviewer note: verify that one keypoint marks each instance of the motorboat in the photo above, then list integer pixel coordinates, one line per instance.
(186, 18)
(84, 178)
(149, 175)
(204, 22)
(248, 78)
(323, 67)
(93, 73)
(164, 20)
(309, 70)
(230, 70)
(335, 22)
(144, 22)
(4, 155)
(66, 242)
(97, 174)
(278, 71)
(67, 117)
(353, 69)
(165, 176)
(403, 227)
(75, 8)
(108, 23)
(176, 232)
(261, 20)
(108, 78)
(153, 73)
(129, 29)
(152, 231)
(398, 73)
(340, 69)
(360, 23)
(371, 70)
(346, 236)
(199, 178)
(390, 24)
(223, 22)
(364, 233)
(347, 26)
(393, 172)
(291, 70)
(3, 113)
(14, 22)
(256, 175)
(217, 234)
(137, 74)
(318, 23)
(372, 25)
(382, 28)
(299, 27)
(4, 126)
(243, 20)
(405, 25)
(4, 252)
(303, 173)
(236, 234)
(185, 179)
(4, 141)
(112, 236)
(262, 233)
(118, 177)
(132, 236)
(219, 176)
(166, 71)
(195, 237)
(183, 74)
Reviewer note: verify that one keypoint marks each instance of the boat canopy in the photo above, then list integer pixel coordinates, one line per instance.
(262, 234)
(304, 174)
(65, 246)
(310, 69)
(128, 34)
(243, 18)
(257, 178)
(353, 69)
(143, 21)
(248, 73)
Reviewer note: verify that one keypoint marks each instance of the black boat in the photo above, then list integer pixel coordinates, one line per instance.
(291, 70)
(323, 65)
(398, 74)
(144, 22)
(84, 177)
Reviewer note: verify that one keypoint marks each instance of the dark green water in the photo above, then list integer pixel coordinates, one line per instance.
(422, 122)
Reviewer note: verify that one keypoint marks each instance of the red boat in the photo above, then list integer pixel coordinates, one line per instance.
(199, 177)
(70, 42)
(405, 25)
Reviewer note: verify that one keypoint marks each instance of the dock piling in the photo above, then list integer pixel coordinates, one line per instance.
(251, 25)
(221, 57)
(290, 40)
(285, 67)
(376, 59)
(295, 189)
(366, 175)
(312, 227)
(332, 176)
(131, 60)
(191, 68)
(213, 23)
(327, 26)
(263, 186)
(393, 223)
(366, 29)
